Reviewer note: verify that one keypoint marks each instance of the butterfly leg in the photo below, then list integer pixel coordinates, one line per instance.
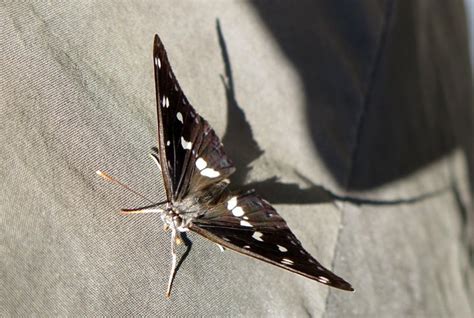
(178, 239)
(156, 159)
(173, 260)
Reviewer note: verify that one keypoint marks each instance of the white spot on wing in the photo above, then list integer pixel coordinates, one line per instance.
(290, 238)
(238, 211)
(287, 261)
(168, 143)
(186, 144)
(180, 117)
(209, 172)
(232, 203)
(157, 61)
(282, 248)
(201, 163)
(258, 236)
(245, 223)
(247, 247)
(323, 279)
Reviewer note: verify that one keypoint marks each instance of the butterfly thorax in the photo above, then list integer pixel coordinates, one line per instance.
(180, 213)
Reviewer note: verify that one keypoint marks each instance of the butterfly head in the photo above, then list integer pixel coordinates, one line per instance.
(172, 218)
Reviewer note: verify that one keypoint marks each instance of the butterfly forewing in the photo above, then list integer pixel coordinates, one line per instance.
(249, 225)
(190, 153)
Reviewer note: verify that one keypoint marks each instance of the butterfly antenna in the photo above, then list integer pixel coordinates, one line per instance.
(123, 185)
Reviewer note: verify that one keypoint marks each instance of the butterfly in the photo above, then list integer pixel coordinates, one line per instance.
(196, 171)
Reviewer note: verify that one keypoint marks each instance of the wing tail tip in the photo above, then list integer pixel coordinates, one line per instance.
(156, 40)
(343, 285)
(349, 288)
(157, 45)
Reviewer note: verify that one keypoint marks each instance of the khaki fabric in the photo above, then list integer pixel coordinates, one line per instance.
(354, 119)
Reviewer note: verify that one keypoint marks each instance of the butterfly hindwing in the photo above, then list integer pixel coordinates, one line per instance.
(190, 153)
(249, 225)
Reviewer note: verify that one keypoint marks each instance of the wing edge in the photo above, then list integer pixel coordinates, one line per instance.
(341, 283)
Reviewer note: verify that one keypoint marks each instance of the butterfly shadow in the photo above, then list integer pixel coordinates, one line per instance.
(242, 146)
(382, 44)
(189, 244)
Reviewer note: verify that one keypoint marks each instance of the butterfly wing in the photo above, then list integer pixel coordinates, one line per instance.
(190, 153)
(249, 225)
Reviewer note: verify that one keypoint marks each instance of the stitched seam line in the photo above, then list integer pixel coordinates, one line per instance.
(366, 101)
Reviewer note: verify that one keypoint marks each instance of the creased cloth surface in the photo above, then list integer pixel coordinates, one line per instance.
(355, 120)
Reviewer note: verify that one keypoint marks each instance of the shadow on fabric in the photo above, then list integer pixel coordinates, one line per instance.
(388, 85)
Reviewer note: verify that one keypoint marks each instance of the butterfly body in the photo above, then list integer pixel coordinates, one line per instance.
(196, 171)
(180, 214)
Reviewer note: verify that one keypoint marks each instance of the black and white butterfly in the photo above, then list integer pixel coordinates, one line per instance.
(195, 172)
